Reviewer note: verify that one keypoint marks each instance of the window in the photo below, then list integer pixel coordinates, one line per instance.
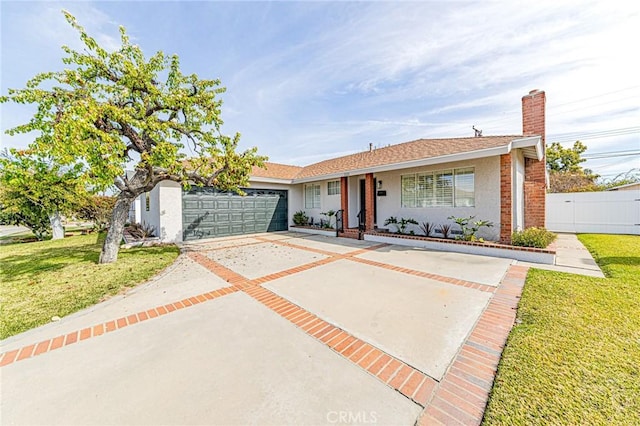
(333, 187)
(443, 188)
(312, 196)
(147, 201)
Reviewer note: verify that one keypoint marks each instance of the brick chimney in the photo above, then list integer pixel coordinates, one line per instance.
(535, 183)
(533, 114)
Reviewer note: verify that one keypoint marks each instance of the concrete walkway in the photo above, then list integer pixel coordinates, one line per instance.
(571, 257)
(278, 328)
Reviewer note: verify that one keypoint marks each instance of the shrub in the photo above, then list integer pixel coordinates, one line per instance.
(533, 237)
(444, 230)
(98, 209)
(468, 227)
(300, 218)
(400, 224)
(141, 231)
(428, 228)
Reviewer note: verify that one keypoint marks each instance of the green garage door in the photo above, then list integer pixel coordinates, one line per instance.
(207, 212)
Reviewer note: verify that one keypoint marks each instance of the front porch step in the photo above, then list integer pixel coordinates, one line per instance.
(350, 233)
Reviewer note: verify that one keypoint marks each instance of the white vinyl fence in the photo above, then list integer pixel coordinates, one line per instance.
(608, 212)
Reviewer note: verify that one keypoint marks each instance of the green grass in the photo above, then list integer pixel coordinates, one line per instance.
(56, 278)
(574, 357)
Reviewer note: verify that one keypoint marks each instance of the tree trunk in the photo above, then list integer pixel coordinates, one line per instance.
(57, 230)
(119, 217)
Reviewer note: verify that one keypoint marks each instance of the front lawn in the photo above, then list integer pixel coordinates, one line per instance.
(574, 355)
(56, 278)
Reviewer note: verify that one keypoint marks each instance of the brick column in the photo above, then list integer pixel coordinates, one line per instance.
(535, 185)
(344, 200)
(535, 192)
(505, 198)
(368, 200)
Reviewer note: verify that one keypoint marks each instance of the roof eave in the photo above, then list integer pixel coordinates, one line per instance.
(534, 142)
(261, 179)
(469, 155)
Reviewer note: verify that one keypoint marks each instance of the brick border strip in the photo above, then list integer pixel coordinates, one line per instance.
(49, 345)
(407, 380)
(462, 394)
(352, 257)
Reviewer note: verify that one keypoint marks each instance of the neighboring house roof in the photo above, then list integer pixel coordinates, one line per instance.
(623, 187)
(403, 155)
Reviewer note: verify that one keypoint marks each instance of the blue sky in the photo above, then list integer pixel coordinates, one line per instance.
(312, 80)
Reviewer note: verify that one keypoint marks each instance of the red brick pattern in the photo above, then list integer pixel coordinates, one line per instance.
(369, 193)
(535, 185)
(99, 329)
(506, 227)
(405, 379)
(461, 396)
(344, 200)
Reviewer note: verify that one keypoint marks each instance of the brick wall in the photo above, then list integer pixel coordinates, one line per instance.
(533, 123)
(505, 198)
(368, 198)
(344, 199)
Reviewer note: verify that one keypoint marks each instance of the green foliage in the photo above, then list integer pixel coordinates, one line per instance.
(533, 237)
(400, 224)
(469, 227)
(107, 105)
(300, 218)
(106, 109)
(97, 209)
(561, 159)
(573, 357)
(565, 172)
(58, 277)
(329, 216)
(34, 188)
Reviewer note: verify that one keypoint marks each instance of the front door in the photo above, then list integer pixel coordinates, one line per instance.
(375, 199)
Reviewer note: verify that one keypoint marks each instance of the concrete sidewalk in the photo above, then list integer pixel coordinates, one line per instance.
(571, 257)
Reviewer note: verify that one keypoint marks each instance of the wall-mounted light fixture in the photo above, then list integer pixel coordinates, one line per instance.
(379, 184)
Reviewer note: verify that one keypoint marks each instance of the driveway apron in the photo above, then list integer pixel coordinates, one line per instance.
(280, 328)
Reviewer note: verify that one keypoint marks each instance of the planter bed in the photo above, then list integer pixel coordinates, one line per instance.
(328, 232)
(525, 254)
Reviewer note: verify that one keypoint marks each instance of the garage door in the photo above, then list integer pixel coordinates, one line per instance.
(207, 212)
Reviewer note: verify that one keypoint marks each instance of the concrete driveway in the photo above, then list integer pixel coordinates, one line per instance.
(279, 328)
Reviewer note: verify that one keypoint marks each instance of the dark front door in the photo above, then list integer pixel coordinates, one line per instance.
(207, 212)
(363, 202)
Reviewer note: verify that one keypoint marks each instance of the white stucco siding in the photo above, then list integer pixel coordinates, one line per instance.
(170, 201)
(327, 202)
(487, 197)
(151, 215)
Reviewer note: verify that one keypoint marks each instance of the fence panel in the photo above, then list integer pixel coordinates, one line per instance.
(608, 212)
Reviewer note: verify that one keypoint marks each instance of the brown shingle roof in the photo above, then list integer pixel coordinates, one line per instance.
(400, 153)
(276, 171)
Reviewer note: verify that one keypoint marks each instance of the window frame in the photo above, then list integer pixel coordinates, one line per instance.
(335, 187)
(315, 200)
(438, 188)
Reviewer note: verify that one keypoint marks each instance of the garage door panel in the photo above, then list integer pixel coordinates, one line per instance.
(210, 213)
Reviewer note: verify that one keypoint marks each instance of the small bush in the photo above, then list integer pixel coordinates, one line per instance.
(533, 237)
(300, 218)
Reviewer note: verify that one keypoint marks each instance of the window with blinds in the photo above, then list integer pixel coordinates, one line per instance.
(312, 196)
(333, 187)
(443, 188)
